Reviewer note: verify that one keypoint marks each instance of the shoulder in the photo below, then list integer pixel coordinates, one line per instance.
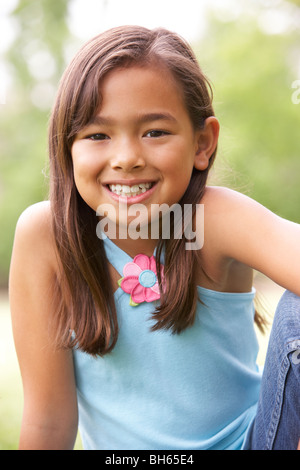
(238, 228)
(225, 207)
(36, 216)
(34, 236)
(33, 268)
(234, 222)
(223, 211)
(218, 198)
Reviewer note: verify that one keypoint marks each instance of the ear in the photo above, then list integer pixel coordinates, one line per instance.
(206, 142)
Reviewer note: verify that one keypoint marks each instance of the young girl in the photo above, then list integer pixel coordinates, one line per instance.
(150, 343)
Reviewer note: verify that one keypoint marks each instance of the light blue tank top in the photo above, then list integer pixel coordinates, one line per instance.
(156, 390)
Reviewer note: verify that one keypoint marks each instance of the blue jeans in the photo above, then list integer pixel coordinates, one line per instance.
(277, 423)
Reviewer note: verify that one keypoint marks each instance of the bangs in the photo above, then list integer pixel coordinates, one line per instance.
(87, 104)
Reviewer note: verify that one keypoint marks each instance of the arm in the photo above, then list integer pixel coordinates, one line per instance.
(241, 229)
(50, 405)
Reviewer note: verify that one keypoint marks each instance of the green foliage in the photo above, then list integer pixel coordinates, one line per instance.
(252, 75)
(23, 139)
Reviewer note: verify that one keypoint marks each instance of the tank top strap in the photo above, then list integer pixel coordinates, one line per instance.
(115, 255)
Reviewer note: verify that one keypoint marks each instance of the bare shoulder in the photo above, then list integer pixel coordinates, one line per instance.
(34, 234)
(33, 267)
(220, 204)
(223, 211)
(236, 227)
(218, 198)
(227, 208)
(34, 219)
(230, 218)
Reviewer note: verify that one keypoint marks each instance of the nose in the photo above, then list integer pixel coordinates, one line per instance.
(127, 156)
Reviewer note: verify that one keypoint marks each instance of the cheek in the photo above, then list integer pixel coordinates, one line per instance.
(85, 177)
(177, 173)
(85, 163)
(178, 165)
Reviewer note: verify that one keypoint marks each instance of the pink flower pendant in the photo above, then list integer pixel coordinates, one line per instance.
(140, 280)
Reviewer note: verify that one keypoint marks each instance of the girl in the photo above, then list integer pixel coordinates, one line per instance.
(152, 342)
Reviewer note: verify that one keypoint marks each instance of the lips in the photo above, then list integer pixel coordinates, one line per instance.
(133, 191)
(125, 190)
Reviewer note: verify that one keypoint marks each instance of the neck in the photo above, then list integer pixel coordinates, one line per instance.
(135, 247)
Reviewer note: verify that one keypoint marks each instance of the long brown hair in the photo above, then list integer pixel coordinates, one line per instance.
(84, 297)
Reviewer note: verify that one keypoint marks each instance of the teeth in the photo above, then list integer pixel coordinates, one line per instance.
(125, 190)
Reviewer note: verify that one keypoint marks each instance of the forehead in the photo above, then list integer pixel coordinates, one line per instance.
(142, 86)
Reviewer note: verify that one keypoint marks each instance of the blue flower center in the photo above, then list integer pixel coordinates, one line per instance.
(147, 278)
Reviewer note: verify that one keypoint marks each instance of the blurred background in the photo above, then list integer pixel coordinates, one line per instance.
(249, 49)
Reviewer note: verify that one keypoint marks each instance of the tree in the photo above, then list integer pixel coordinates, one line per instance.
(36, 59)
(252, 74)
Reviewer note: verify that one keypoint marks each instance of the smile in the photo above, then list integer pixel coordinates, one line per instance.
(129, 191)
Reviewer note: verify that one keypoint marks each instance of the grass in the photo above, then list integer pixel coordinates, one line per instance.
(11, 395)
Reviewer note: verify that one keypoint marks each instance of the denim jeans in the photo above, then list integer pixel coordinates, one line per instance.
(277, 422)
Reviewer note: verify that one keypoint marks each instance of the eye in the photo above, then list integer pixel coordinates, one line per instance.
(97, 137)
(156, 133)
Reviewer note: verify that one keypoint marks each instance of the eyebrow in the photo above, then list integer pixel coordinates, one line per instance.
(150, 117)
(142, 118)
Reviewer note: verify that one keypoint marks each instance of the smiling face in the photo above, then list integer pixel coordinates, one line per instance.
(141, 146)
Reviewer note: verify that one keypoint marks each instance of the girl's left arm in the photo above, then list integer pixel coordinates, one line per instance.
(246, 231)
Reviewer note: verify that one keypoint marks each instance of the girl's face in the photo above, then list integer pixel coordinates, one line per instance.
(141, 146)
